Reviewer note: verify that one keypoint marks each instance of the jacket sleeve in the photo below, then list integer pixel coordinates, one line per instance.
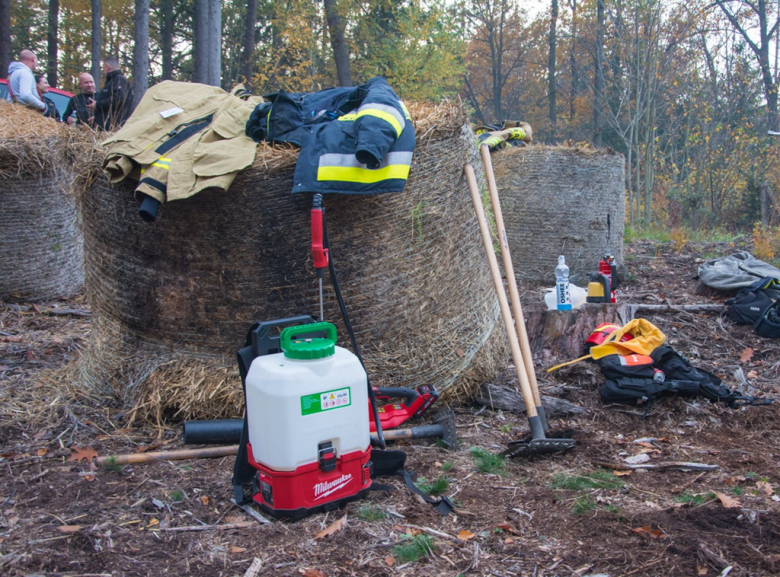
(27, 93)
(380, 121)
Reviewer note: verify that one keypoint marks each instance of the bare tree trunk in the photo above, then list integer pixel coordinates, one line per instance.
(97, 41)
(141, 50)
(598, 96)
(51, 42)
(249, 41)
(215, 42)
(575, 78)
(200, 41)
(336, 28)
(551, 69)
(166, 8)
(5, 37)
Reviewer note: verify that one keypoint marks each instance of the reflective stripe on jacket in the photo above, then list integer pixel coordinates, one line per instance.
(353, 140)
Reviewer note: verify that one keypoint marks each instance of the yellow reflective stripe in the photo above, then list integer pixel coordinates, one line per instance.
(492, 141)
(351, 116)
(386, 116)
(405, 109)
(163, 162)
(516, 134)
(363, 175)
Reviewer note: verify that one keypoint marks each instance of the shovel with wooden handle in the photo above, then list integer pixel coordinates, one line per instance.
(514, 294)
(539, 444)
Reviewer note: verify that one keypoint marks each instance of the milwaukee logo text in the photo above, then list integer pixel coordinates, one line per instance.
(324, 489)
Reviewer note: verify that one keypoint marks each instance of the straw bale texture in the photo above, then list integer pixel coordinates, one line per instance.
(561, 200)
(41, 254)
(172, 300)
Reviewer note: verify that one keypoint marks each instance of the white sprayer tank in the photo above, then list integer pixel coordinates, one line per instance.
(311, 393)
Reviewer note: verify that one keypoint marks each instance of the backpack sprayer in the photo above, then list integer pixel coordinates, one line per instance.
(306, 438)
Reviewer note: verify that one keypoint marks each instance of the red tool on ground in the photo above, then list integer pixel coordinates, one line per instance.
(416, 402)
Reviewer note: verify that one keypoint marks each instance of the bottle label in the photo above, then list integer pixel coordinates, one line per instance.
(562, 296)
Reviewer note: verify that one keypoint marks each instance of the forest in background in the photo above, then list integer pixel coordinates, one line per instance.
(685, 90)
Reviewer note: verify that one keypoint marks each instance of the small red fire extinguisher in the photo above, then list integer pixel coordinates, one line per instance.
(608, 268)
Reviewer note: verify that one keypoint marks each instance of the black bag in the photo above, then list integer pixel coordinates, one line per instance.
(631, 366)
(639, 390)
(747, 307)
(768, 325)
(711, 386)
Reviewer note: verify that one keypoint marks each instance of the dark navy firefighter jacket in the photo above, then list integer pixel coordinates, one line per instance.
(353, 140)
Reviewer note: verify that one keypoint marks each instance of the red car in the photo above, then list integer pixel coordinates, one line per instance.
(61, 98)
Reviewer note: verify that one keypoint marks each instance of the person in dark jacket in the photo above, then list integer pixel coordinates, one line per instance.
(42, 85)
(78, 104)
(114, 103)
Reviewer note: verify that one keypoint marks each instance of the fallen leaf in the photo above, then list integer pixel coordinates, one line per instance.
(701, 570)
(89, 478)
(153, 523)
(42, 451)
(652, 533)
(144, 449)
(30, 356)
(312, 573)
(646, 444)
(390, 561)
(78, 454)
(334, 527)
(35, 309)
(752, 375)
(459, 352)
(157, 503)
(746, 355)
(621, 473)
(204, 499)
(69, 528)
(509, 540)
(506, 527)
(765, 487)
(732, 481)
(728, 502)
(466, 535)
(235, 549)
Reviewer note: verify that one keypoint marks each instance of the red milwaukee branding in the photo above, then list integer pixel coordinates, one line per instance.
(324, 489)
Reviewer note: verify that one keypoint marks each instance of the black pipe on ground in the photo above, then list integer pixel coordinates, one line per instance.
(218, 432)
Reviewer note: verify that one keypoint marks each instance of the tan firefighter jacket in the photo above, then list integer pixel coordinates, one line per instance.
(182, 138)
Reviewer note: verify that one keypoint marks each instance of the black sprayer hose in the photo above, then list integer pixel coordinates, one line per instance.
(332, 269)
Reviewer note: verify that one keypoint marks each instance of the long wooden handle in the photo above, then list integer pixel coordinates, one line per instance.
(509, 325)
(135, 458)
(514, 294)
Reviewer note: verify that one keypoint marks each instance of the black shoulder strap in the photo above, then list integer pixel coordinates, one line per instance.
(394, 463)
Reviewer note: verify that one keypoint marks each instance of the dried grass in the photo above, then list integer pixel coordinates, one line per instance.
(43, 164)
(172, 301)
(560, 200)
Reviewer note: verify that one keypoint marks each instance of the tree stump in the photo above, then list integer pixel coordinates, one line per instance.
(561, 334)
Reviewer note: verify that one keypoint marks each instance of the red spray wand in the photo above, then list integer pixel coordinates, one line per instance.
(319, 253)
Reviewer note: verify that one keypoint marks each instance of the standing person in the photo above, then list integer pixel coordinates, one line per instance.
(43, 87)
(21, 82)
(114, 103)
(78, 103)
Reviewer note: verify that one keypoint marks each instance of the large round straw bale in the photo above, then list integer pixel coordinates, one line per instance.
(172, 301)
(41, 254)
(561, 201)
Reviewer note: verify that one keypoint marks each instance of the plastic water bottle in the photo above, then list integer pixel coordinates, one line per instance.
(562, 296)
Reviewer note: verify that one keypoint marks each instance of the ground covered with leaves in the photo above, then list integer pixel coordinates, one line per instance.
(584, 512)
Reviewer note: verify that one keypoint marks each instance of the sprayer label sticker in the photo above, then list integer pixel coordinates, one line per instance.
(328, 401)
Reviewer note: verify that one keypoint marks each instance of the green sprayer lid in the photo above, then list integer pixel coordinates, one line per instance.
(296, 345)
